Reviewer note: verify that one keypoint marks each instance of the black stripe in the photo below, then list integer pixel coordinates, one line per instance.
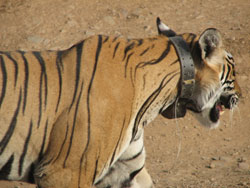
(43, 143)
(140, 42)
(116, 47)
(8, 134)
(133, 174)
(223, 72)
(96, 165)
(45, 163)
(15, 64)
(150, 100)
(191, 44)
(135, 156)
(4, 80)
(174, 62)
(43, 74)
(131, 77)
(26, 80)
(229, 81)
(144, 51)
(59, 70)
(228, 72)
(115, 38)
(98, 50)
(64, 140)
(31, 178)
(117, 144)
(126, 64)
(73, 127)
(78, 68)
(144, 81)
(231, 63)
(25, 148)
(106, 39)
(164, 102)
(153, 61)
(5, 171)
(127, 49)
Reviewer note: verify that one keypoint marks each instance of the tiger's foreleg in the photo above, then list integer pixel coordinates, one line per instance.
(129, 171)
(59, 167)
(142, 179)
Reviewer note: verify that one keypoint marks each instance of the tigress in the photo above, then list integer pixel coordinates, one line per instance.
(75, 118)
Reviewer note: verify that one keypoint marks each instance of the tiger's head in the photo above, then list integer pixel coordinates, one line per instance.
(215, 87)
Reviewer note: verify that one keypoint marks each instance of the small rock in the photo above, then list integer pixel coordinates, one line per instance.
(123, 13)
(109, 20)
(212, 179)
(46, 41)
(225, 158)
(147, 28)
(89, 33)
(204, 158)
(236, 153)
(72, 23)
(243, 183)
(212, 165)
(132, 16)
(35, 39)
(227, 139)
(215, 158)
(243, 166)
(242, 159)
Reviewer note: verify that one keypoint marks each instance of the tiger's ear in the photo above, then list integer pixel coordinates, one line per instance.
(164, 29)
(210, 42)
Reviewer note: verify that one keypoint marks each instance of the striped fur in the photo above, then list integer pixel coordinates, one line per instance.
(75, 118)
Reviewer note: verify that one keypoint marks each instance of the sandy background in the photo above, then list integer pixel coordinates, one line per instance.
(180, 153)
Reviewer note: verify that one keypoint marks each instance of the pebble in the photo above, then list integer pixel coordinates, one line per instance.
(215, 158)
(242, 159)
(123, 13)
(243, 184)
(243, 166)
(132, 16)
(227, 139)
(89, 33)
(220, 162)
(225, 158)
(109, 20)
(204, 158)
(35, 39)
(212, 179)
(212, 165)
(147, 28)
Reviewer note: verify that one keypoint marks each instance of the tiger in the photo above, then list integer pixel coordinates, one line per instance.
(75, 118)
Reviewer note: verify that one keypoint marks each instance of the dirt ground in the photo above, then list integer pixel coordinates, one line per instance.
(181, 153)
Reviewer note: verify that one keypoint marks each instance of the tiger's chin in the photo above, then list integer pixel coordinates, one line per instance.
(210, 117)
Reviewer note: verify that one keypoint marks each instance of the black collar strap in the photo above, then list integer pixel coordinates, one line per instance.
(187, 66)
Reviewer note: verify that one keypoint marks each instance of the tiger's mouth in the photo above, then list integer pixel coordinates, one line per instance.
(224, 102)
(216, 111)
